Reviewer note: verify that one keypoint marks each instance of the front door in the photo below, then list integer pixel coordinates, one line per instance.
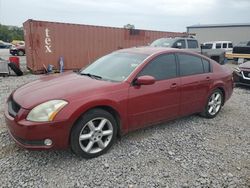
(157, 102)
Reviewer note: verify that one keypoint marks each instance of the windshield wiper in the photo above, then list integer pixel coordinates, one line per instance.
(91, 75)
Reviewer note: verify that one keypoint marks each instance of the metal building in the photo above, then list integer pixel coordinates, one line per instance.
(221, 32)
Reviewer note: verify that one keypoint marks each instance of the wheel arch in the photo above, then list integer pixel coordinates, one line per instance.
(112, 110)
(219, 85)
(223, 93)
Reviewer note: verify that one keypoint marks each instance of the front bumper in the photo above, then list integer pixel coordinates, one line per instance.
(31, 135)
(241, 79)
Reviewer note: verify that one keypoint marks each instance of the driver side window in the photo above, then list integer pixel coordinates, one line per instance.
(161, 68)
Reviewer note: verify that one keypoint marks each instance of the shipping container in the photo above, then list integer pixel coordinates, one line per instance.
(79, 45)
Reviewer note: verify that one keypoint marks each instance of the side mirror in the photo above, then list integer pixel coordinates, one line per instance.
(145, 80)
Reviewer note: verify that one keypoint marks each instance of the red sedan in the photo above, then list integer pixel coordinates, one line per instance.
(120, 92)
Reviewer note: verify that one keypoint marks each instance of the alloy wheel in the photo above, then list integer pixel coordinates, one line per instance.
(214, 103)
(96, 135)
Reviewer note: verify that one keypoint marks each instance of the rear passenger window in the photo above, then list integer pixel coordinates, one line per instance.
(190, 65)
(230, 45)
(206, 65)
(162, 67)
(192, 44)
(218, 45)
(224, 45)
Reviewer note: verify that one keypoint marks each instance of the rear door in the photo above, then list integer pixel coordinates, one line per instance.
(160, 101)
(195, 80)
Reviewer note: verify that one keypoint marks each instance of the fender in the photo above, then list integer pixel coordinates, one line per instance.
(119, 107)
(217, 84)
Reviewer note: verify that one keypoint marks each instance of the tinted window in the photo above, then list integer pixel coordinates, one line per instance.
(183, 44)
(192, 44)
(190, 65)
(230, 45)
(224, 45)
(208, 46)
(206, 65)
(218, 45)
(162, 67)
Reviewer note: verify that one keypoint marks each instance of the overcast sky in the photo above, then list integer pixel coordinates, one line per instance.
(165, 15)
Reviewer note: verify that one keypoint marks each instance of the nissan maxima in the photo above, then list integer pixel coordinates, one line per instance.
(123, 91)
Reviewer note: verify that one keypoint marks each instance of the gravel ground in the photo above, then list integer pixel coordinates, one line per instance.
(188, 152)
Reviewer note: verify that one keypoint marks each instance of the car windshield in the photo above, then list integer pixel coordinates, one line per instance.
(114, 67)
(163, 42)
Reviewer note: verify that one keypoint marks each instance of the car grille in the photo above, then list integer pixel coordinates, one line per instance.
(13, 107)
(246, 73)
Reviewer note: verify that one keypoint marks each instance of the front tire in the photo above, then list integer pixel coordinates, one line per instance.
(93, 134)
(214, 104)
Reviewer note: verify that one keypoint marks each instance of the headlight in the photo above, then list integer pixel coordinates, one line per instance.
(46, 111)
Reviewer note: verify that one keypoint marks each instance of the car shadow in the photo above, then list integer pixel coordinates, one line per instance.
(242, 86)
(55, 157)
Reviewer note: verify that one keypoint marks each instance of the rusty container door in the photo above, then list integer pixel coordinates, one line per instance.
(79, 45)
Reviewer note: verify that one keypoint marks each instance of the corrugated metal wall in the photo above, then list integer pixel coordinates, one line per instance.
(79, 44)
(234, 34)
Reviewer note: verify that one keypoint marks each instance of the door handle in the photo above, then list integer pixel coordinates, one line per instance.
(173, 85)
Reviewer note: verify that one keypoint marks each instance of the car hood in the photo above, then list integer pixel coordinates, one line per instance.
(68, 86)
(245, 65)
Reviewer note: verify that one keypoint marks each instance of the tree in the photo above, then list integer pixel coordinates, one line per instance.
(10, 33)
(129, 26)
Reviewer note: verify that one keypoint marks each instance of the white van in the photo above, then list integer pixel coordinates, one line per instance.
(226, 45)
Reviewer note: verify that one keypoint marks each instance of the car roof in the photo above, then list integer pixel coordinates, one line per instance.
(223, 41)
(147, 50)
(178, 38)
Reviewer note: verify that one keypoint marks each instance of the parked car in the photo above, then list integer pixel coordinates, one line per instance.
(18, 50)
(120, 92)
(242, 74)
(225, 45)
(177, 42)
(191, 44)
(18, 42)
(5, 45)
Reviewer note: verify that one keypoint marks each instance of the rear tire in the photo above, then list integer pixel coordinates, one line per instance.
(15, 69)
(93, 134)
(214, 104)
(20, 53)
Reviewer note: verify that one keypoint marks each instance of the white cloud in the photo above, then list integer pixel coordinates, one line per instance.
(171, 15)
